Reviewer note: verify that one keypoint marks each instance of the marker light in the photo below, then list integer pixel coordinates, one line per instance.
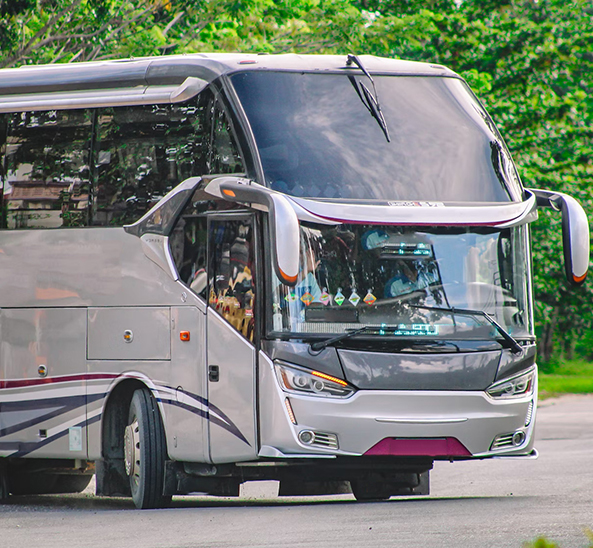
(515, 387)
(291, 415)
(302, 381)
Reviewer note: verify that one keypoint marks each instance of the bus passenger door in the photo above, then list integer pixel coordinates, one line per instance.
(231, 362)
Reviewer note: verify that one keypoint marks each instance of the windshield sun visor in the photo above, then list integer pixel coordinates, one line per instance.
(421, 213)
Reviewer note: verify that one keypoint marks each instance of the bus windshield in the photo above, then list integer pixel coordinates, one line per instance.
(404, 281)
(319, 135)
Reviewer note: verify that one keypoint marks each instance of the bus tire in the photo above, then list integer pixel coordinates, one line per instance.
(3, 481)
(32, 483)
(71, 484)
(364, 491)
(145, 452)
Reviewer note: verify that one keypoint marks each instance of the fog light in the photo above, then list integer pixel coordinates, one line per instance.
(518, 438)
(306, 436)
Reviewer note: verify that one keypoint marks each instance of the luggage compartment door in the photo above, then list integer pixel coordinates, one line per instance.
(43, 400)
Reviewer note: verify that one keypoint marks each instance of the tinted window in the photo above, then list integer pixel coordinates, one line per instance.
(188, 244)
(144, 152)
(46, 169)
(225, 156)
(231, 276)
(108, 167)
(317, 137)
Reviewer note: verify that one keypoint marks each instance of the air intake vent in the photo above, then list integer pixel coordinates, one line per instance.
(504, 440)
(319, 439)
(322, 439)
(513, 439)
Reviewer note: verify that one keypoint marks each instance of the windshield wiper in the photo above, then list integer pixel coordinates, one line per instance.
(511, 343)
(323, 344)
(369, 100)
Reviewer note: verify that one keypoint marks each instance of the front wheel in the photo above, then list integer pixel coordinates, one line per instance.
(377, 487)
(145, 451)
(364, 491)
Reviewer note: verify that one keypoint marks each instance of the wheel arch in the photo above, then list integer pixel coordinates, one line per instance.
(115, 415)
(110, 469)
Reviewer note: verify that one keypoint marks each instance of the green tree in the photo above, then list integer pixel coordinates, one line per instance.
(50, 31)
(529, 61)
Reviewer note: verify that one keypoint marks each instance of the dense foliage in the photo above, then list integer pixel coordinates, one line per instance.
(530, 61)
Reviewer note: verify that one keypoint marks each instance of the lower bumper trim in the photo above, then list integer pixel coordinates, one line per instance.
(416, 447)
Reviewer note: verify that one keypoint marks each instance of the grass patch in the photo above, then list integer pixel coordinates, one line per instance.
(570, 377)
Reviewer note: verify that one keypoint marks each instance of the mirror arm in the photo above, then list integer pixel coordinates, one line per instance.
(283, 220)
(575, 232)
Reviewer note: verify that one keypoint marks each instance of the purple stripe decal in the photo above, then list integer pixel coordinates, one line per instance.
(25, 448)
(69, 403)
(66, 405)
(224, 421)
(20, 383)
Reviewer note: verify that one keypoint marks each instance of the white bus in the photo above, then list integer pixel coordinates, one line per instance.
(224, 268)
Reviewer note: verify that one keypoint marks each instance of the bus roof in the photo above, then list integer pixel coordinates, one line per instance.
(173, 70)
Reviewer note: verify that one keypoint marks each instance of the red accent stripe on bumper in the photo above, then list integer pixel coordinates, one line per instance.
(420, 447)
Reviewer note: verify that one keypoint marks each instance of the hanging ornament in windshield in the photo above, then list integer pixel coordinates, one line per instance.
(307, 298)
(354, 298)
(369, 298)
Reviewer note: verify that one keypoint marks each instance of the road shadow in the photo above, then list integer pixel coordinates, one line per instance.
(91, 503)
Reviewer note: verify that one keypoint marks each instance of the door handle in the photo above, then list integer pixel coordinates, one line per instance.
(213, 373)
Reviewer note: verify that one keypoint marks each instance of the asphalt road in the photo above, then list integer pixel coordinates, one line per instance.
(495, 503)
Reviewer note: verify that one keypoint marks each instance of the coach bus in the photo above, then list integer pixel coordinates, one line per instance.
(224, 268)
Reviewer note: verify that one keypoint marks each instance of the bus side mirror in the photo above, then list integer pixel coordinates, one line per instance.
(575, 232)
(285, 237)
(284, 225)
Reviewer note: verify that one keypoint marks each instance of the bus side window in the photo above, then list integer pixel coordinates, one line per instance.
(231, 273)
(226, 157)
(143, 152)
(188, 244)
(46, 170)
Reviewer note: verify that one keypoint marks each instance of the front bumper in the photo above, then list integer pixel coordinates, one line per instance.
(364, 420)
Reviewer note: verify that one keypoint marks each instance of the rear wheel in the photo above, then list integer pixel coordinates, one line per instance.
(32, 483)
(145, 452)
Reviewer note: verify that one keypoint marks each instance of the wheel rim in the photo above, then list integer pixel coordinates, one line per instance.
(132, 451)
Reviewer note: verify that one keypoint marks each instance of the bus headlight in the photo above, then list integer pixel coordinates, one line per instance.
(305, 381)
(516, 387)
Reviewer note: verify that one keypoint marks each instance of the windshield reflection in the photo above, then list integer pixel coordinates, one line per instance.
(353, 276)
(320, 135)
